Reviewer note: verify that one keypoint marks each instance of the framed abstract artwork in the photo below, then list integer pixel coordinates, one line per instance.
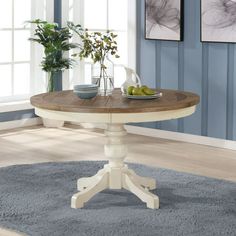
(164, 19)
(218, 21)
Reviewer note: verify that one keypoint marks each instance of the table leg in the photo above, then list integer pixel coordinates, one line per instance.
(143, 181)
(151, 200)
(97, 186)
(83, 183)
(115, 174)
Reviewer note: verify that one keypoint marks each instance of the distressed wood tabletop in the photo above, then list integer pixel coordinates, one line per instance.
(67, 101)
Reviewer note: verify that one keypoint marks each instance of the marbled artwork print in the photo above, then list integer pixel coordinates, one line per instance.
(218, 20)
(163, 19)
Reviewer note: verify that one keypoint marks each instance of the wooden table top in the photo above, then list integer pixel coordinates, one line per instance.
(67, 101)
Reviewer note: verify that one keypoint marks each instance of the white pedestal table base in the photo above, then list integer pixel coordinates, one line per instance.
(115, 175)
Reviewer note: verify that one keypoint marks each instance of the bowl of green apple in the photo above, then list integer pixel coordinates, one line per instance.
(141, 92)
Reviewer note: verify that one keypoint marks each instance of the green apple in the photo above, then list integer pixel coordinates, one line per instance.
(137, 92)
(148, 91)
(143, 87)
(130, 89)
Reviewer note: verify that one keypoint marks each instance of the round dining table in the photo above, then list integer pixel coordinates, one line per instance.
(115, 111)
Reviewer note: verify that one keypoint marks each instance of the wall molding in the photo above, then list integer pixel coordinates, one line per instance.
(170, 135)
(182, 137)
(8, 125)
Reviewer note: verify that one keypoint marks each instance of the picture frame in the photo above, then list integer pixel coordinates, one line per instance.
(218, 21)
(164, 20)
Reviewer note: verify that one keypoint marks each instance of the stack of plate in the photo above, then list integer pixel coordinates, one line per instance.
(86, 91)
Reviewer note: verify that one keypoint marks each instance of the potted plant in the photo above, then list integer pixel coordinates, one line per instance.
(56, 43)
(98, 46)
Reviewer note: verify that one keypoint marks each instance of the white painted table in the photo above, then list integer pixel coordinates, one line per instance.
(115, 111)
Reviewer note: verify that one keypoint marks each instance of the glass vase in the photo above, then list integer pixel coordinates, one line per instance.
(50, 81)
(103, 76)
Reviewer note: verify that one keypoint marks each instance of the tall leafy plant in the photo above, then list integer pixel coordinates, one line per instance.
(55, 41)
(96, 45)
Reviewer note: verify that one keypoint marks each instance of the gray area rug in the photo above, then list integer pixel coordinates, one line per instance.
(35, 200)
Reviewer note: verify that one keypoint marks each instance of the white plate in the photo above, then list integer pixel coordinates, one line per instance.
(147, 97)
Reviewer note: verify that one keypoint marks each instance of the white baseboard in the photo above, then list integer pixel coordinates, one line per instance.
(189, 138)
(176, 136)
(20, 123)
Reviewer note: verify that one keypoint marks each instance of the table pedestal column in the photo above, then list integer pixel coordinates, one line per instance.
(115, 175)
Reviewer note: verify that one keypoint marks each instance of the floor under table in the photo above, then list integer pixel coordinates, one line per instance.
(73, 143)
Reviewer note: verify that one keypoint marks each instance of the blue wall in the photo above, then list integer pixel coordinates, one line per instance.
(204, 68)
(58, 20)
(16, 115)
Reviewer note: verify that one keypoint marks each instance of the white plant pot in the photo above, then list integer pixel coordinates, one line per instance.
(49, 123)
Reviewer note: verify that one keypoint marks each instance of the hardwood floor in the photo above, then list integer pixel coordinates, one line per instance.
(71, 143)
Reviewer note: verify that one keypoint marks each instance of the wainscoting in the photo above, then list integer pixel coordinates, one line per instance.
(204, 68)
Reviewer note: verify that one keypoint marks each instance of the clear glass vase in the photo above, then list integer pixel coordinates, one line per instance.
(103, 76)
(52, 78)
(50, 81)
